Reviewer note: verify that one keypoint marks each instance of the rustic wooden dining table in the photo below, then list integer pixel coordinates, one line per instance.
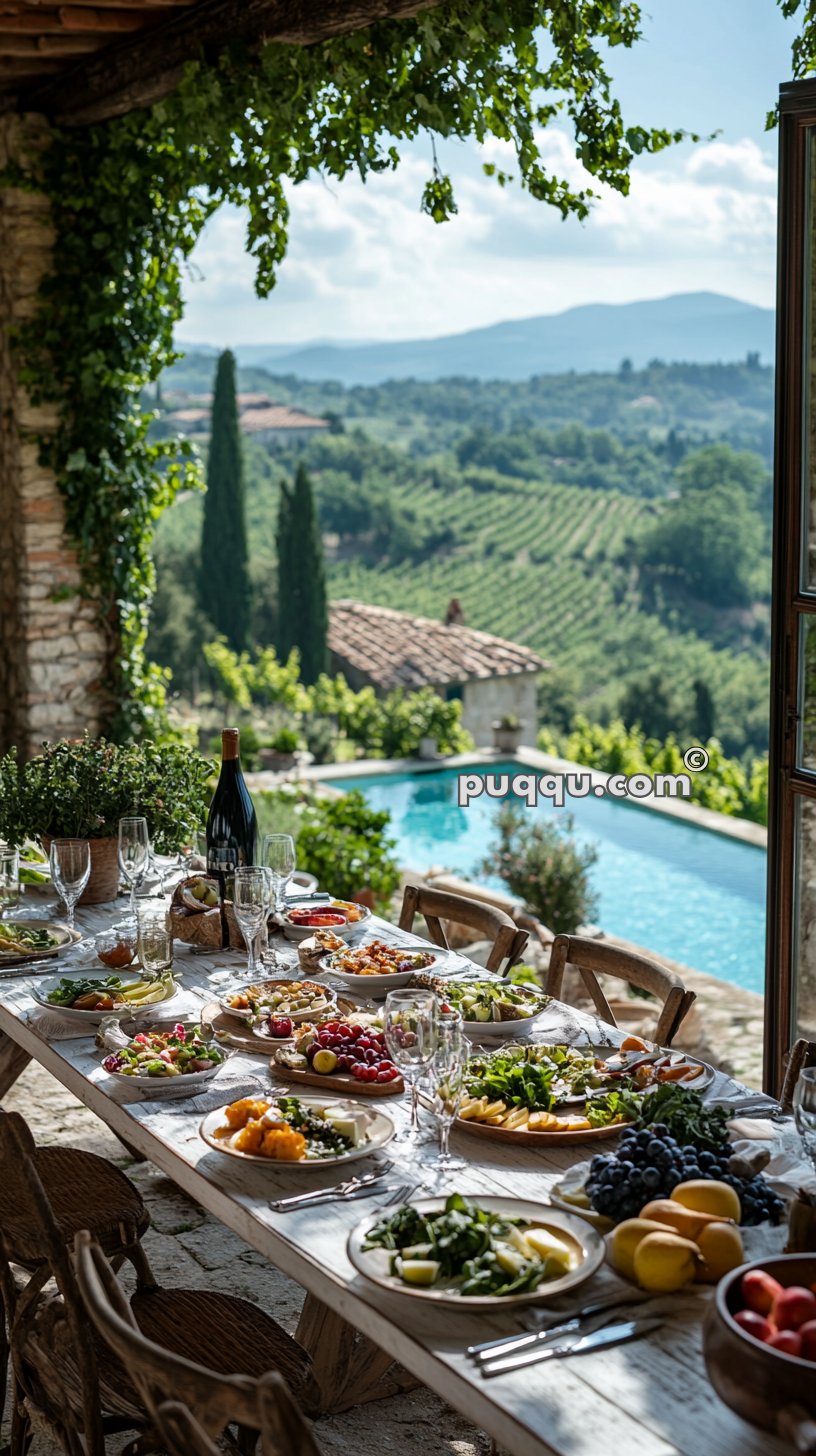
(651, 1397)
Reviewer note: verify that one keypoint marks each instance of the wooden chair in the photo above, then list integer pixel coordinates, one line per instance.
(188, 1402)
(60, 1366)
(83, 1191)
(593, 957)
(437, 905)
(802, 1054)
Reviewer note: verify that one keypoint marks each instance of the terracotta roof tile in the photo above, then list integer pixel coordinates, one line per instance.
(280, 417)
(395, 649)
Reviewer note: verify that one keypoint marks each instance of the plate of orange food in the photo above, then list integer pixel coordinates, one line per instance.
(296, 1131)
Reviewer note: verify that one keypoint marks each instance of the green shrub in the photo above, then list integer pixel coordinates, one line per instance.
(83, 789)
(541, 864)
(344, 843)
(724, 785)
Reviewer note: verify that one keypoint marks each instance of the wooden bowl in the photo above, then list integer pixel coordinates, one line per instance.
(763, 1385)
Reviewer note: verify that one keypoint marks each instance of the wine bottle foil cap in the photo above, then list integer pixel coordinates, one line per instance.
(229, 742)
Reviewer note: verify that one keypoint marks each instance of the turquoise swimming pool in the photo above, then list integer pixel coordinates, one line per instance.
(683, 892)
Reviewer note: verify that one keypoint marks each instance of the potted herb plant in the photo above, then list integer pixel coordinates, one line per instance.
(281, 750)
(507, 732)
(81, 789)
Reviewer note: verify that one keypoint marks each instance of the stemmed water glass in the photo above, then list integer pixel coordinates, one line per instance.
(278, 856)
(251, 901)
(70, 862)
(447, 1077)
(804, 1111)
(134, 854)
(410, 1027)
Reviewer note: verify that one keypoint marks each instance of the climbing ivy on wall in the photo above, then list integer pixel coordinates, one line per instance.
(131, 197)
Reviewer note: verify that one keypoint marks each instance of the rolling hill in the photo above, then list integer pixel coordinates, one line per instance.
(703, 327)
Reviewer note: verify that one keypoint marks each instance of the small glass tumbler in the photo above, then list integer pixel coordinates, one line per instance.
(154, 943)
(9, 880)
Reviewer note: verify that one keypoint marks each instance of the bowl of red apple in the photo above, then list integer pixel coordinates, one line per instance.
(759, 1342)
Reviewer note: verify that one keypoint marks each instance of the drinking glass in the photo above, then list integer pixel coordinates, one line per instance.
(804, 1111)
(9, 880)
(154, 943)
(448, 1070)
(411, 1035)
(251, 901)
(134, 854)
(278, 855)
(70, 861)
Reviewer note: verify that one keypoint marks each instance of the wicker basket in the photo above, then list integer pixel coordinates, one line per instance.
(103, 881)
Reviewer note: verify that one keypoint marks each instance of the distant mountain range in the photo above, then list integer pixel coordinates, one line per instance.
(699, 328)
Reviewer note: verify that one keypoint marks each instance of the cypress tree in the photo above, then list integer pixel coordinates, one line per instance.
(302, 610)
(224, 587)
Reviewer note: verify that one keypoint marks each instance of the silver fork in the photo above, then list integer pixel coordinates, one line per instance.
(337, 1190)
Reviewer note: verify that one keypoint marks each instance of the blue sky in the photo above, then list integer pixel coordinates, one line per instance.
(364, 263)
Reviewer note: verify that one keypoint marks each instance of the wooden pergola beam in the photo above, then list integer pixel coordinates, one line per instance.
(50, 45)
(22, 20)
(138, 72)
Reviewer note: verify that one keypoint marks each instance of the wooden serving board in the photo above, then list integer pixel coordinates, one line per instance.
(243, 1036)
(523, 1137)
(340, 1083)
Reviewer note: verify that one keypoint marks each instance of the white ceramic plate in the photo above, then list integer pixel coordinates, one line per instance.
(296, 1016)
(514, 1030)
(63, 936)
(589, 1247)
(695, 1084)
(380, 1130)
(373, 985)
(125, 1011)
(298, 933)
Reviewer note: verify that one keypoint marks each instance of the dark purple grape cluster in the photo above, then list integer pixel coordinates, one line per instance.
(649, 1164)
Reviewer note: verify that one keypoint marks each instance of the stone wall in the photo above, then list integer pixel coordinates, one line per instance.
(53, 653)
(484, 700)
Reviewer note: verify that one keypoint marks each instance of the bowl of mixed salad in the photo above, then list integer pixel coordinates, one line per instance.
(494, 1009)
(180, 1056)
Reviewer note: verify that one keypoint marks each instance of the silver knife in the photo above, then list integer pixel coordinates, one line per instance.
(601, 1339)
(556, 1324)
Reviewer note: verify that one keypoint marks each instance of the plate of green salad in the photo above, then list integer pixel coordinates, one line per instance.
(476, 1252)
(494, 1009)
(32, 939)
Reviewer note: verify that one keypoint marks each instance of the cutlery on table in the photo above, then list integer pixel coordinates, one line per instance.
(338, 1190)
(550, 1324)
(601, 1339)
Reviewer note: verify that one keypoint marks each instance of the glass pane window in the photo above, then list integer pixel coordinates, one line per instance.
(806, 704)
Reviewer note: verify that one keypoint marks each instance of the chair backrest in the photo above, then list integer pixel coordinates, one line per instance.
(508, 942)
(589, 957)
(159, 1374)
(802, 1054)
(17, 1149)
(284, 1431)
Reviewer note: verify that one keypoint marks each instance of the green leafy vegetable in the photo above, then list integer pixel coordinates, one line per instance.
(686, 1116)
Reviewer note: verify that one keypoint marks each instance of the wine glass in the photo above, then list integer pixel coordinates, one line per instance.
(70, 861)
(804, 1111)
(448, 1071)
(134, 854)
(411, 1023)
(278, 855)
(251, 900)
(9, 880)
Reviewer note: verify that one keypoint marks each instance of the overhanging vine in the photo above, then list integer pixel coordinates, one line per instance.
(129, 199)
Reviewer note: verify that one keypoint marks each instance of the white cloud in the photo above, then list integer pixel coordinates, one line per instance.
(364, 262)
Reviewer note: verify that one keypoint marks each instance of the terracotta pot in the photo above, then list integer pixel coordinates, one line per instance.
(103, 883)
